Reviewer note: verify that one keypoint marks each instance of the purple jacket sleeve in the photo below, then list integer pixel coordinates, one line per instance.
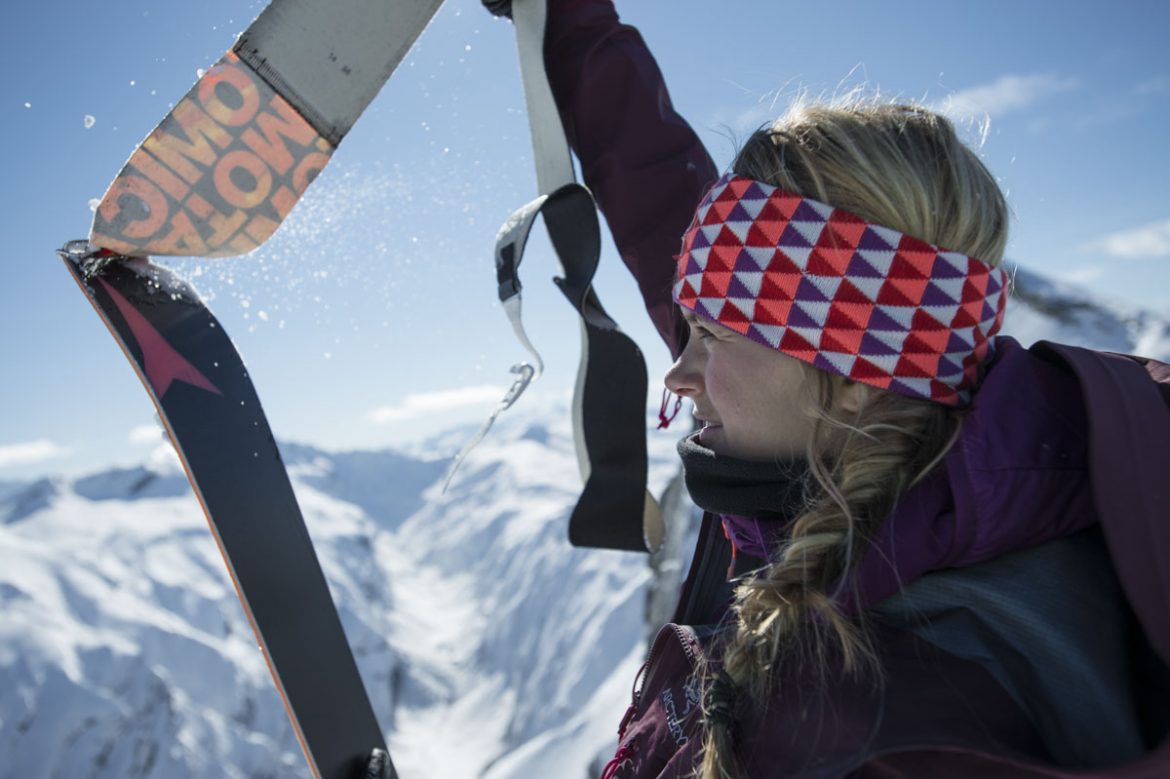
(645, 165)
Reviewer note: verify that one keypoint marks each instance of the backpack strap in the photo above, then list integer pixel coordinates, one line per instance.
(1126, 400)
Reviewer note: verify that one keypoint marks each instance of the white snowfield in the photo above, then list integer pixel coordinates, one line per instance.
(489, 646)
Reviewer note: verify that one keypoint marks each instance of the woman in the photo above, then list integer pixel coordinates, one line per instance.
(835, 369)
(918, 584)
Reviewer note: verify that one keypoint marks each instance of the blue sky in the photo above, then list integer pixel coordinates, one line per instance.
(370, 319)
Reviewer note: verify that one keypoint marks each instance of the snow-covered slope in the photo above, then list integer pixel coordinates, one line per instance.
(1044, 309)
(490, 647)
(123, 650)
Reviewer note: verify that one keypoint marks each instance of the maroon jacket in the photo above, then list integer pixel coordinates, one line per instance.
(1035, 555)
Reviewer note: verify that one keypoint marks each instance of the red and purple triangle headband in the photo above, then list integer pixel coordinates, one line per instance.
(853, 298)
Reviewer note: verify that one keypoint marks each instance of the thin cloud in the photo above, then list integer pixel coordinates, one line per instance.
(146, 434)
(435, 402)
(1004, 95)
(1139, 243)
(1085, 274)
(29, 452)
(1153, 86)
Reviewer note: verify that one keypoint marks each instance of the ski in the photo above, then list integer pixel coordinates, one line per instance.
(203, 394)
(227, 164)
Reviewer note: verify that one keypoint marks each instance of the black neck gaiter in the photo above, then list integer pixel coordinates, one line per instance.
(755, 499)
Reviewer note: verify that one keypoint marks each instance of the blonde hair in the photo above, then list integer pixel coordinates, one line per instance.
(899, 166)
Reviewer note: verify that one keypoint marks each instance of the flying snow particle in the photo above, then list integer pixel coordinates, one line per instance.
(199, 72)
(467, 47)
(131, 82)
(94, 202)
(27, 105)
(89, 121)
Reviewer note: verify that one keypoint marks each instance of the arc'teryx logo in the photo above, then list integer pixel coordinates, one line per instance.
(674, 718)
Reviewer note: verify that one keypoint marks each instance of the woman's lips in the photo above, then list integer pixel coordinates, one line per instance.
(707, 429)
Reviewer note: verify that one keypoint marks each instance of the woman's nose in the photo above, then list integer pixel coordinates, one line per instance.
(685, 377)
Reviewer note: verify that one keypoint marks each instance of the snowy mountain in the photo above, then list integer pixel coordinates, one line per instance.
(489, 646)
(1044, 309)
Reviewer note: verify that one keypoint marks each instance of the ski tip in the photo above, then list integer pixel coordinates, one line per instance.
(89, 259)
(82, 249)
(77, 250)
(84, 254)
(218, 175)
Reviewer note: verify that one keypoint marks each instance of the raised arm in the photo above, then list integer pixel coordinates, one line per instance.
(645, 165)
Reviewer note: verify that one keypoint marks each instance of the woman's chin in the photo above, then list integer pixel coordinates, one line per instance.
(711, 436)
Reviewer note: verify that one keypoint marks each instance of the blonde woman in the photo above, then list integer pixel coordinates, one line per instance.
(902, 569)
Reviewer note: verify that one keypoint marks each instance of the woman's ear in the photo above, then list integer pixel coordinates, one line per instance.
(851, 396)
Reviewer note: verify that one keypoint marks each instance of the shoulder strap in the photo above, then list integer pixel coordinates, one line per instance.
(1129, 455)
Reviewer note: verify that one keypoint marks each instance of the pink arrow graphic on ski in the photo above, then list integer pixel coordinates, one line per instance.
(161, 363)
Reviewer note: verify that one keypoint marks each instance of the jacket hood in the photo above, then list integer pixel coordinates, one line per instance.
(1018, 476)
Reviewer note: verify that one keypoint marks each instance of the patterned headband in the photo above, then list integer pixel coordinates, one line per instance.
(852, 298)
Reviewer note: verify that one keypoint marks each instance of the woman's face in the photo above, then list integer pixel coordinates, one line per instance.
(751, 399)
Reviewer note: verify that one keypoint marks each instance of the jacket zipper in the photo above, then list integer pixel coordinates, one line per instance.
(633, 710)
(680, 635)
(708, 577)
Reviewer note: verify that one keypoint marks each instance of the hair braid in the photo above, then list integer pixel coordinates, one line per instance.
(789, 612)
